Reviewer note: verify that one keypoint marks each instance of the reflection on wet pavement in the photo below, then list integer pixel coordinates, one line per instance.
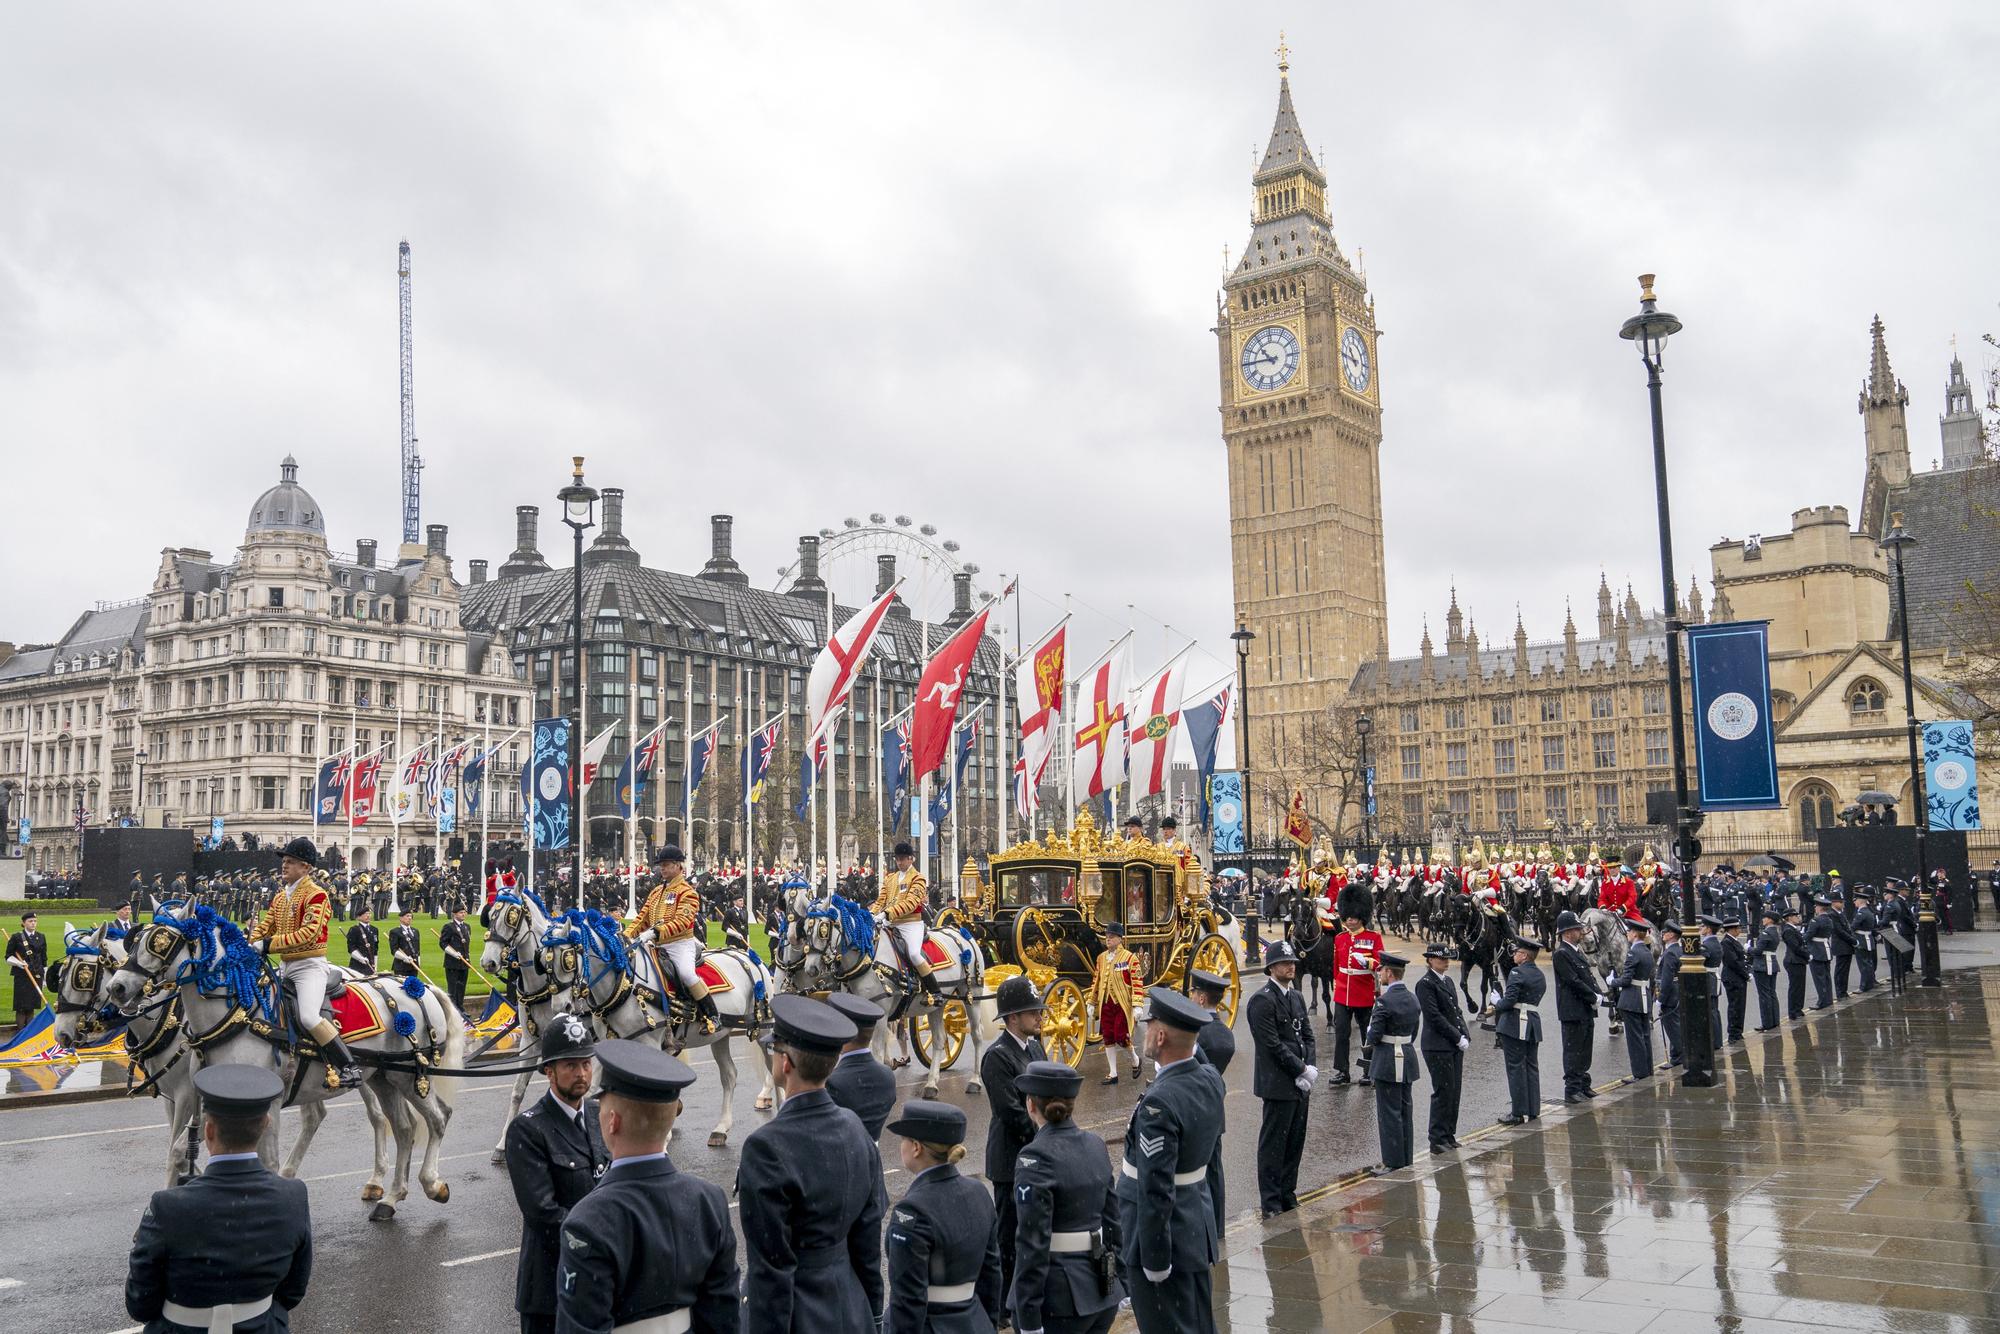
(1839, 1176)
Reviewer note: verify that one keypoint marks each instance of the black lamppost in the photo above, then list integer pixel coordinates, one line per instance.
(579, 504)
(1649, 331)
(1363, 725)
(1895, 540)
(1243, 638)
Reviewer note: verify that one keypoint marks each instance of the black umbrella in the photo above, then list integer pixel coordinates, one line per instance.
(1875, 798)
(1782, 863)
(1763, 861)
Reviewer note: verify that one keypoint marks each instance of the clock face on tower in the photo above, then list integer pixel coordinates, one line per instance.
(1354, 359)
(1270, 358)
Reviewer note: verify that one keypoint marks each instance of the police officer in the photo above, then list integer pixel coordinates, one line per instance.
(363, 940)
(1668, 972)
(555, 1154)
(1392, 1033)
(1735, 975)
(1766, 957)
(1066, 1241)
(1632, 996)
(1519, 1029)
(455, 939)
(1867, 927)
(1895, 916)
(231, 1249)
(1019, 1008)
(943, 1235)
(651, 1248)
(1166, 1221)
(1820, 940)
(1577, 996)
(859, 1082)
(1283, 1078)
(809, 1189)
(1798, 956)
(1443, 1044)
(406, 947)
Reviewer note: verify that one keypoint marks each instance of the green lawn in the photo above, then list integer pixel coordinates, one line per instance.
(432, 959)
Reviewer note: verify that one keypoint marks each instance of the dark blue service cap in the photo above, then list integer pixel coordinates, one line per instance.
(1637, 924)
(1863, 892)
(1822, 900)
(1050, 1079)
(1710, 919)
(669, 853)
(1166, 1006)
(1203, 980)
(237, 1090)
(1524, 943)
(1393, 960)
(1729, 922)
(1670, 928)
(640, 1071)
(864, 1013)
(931, 1122)
(809, 1025)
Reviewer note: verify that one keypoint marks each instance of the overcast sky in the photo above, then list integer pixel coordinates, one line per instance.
(803, 261)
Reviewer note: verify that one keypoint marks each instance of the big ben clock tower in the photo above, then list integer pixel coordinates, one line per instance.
(1302, 424)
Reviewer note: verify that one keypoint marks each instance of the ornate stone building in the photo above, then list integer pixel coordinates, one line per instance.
(1301, 414)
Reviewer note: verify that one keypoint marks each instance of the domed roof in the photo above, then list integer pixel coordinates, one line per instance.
(287, 507)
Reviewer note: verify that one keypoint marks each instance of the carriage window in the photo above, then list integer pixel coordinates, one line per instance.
(1138, 909)
(1036, 887)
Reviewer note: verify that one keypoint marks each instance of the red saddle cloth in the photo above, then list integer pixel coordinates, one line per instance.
(355, 1011)
(934, 954)
(710, 978)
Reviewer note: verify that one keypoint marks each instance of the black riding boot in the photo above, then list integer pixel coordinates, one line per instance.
(341, 1061)
(711, 1018)
(929, 984)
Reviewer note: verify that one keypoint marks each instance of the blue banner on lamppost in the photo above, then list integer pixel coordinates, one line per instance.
(1225, 801)
(1951, 775)
(1736, 754)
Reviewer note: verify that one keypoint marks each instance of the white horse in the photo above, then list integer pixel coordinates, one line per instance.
(835, 945)
(1603, 948)
(515, 925)
(619, 990)
(231, 1007)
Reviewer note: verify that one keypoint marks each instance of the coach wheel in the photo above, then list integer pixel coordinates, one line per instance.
(1213, 955)
(1065, 1023)
(953, 1022)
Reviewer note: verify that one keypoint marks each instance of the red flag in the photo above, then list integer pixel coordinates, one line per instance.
(361, 796)
(938, 692)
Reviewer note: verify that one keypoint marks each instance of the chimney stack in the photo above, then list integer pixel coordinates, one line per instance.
(722, 566)
(479, 572)
(364, 552)
(961, 599)
(885, 579)
(525, 558)
(434, 535)
(611, 547)
(809, 584)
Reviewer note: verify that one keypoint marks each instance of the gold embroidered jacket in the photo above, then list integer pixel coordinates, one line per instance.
(670, 910)
(296, 922)
(904, 896)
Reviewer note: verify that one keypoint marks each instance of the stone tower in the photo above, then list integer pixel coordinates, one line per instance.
(1883, 400)
(1302, 425)
(1964, 435)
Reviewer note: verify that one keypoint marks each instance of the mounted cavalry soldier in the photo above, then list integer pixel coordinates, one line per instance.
(555, 1155)
(294, 928)
(667, 921)
(901, 903)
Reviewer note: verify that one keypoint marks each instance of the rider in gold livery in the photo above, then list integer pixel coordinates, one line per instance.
(294, 928)
(668, 920)
(901, 903)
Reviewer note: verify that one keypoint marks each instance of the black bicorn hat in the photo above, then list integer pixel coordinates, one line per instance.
(567, 1038)
(302, 850)
(641, 1071)
(1166, 1006)
(1049, 1079)
(1017, 995)
(809, 1025)
(931, 1122)
(237, 1090)
(864, 1013)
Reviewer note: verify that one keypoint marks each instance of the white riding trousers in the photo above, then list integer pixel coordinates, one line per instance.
(912, 934)
(307, 978)
(681, 956)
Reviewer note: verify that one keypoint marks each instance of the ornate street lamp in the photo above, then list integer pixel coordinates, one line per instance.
(1243, 637)
(1895, 540)
(1649, 331)
(579, 504)
(1364, 725)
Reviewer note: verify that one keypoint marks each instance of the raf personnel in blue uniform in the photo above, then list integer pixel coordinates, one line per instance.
(1798, 956)
(232, 1249)
(1443, 1044)
(1632, 996)
(1166, 1221)
(1066, 1244)
(1282, 1079)
(1867, 928)
(555, 1155)
(1214, 1047)
(1669, 973)
(1519, 1029)
(1735, 976)
(1019, 1008)
(859, 1082)
(651, 1248)
(1766, 957)
(1392, 1036)
(1710, 944)
(1821, 940)
(809, 1189)
(943, 1235)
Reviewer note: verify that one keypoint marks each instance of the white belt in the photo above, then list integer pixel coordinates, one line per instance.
(1071, 1243)
(1194, 1178)
(215, 1319)
(1395, 1041)
(667, 1322)
(945, 1293)
(1645, 994)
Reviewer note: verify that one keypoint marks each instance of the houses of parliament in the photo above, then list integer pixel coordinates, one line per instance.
(1557, 738)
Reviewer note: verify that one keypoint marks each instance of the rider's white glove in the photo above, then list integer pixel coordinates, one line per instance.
(648, 936)
(261, 946)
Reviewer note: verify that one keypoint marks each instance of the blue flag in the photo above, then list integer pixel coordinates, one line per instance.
(547, 783)
(700, 751)
(1735, 746)
(331, 789)
(1204, 728)
(896, 770)
(941, 804)
(807, 770)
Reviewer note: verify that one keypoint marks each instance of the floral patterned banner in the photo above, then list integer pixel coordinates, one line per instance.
(1950, 778)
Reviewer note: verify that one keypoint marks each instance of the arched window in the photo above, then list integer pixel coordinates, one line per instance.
(1815, 804)
(1865, 697)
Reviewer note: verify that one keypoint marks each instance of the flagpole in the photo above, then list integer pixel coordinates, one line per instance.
(632, 802)
(436, 785)
(687, 756)
(352, 719)
(951, 871)
(485, 809)
(924, 783)
(827, 783)
(319, 759)
(395, 823)
(881, 755)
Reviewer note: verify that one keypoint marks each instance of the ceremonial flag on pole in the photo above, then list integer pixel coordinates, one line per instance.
(439, 795)
(362, 788)
(331, 789)
(896, 769)
(700, 751)
(593, 754)
(548, 783)
(757, 757)
(810, 759)
(1156, 717)
(1205, 722)
(1298, 825)
(1038, 689)
(834, 670)
(472, 779)
(935, 711)
(941, 804)
(1100, 727)
(638, 771)
(413, 774)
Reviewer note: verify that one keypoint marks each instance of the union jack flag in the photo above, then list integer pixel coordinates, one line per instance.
(638, 771)
(757, 756)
